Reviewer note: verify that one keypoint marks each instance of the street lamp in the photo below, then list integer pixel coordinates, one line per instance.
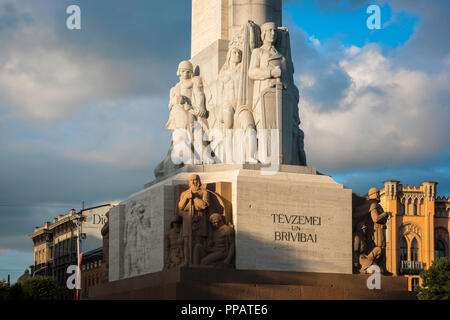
(78, 220)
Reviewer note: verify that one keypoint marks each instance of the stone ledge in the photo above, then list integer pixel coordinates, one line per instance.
(230, 167)
(229, 284)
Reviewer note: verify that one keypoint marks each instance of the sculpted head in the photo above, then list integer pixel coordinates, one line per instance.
(374, 194)
(363, 227)
(216, 220)
(269, 32)
(139, 209)
(235, 55)
(194, 182)
(185, 70)
(175, 222)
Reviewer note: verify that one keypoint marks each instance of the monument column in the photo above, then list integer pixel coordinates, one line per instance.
(214, 20)
(259, 11)
(213, 23)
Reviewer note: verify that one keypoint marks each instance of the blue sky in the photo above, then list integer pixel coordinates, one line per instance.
(349, 25)
(82, 114)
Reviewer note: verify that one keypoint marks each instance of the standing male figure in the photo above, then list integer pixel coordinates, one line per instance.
(266, 65)
(269, 66)
(379, 218)
(193, 208)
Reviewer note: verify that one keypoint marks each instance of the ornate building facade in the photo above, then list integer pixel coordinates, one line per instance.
(417, 233)
(91, 270)
(55, 243)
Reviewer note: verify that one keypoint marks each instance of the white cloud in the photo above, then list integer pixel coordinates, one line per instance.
(352, 51)
(387, 116)
(314, 41)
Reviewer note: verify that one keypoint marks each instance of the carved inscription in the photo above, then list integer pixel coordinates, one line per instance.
(296, 224)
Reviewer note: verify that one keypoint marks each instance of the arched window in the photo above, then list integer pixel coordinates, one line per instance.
(414, 250)
(419, 210)
(415, 208)
(402, 208)
(403, 250)
(439, 249)
(407, 203)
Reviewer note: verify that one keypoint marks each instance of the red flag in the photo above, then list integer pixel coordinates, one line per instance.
(77, 293)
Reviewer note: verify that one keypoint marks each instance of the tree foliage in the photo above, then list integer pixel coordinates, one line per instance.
(40, 288)
(36, 288)
(4, 290)
(436, 281)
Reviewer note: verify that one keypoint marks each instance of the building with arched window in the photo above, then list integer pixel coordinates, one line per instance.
(55, 243)
(417, 233)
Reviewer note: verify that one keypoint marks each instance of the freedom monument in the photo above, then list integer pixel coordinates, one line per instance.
(234, 211)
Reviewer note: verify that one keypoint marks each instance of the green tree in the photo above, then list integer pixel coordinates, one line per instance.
(40, 288)
(436, 281)
(4, 290)
(16, 292)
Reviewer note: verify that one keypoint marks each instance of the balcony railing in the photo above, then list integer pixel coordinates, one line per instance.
(411, 267)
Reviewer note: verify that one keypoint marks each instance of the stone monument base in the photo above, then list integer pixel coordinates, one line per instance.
(292, 219)
(227, 284)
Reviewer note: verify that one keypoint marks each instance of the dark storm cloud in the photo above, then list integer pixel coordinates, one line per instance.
(437, 170)
(86, 155)
(122, 51)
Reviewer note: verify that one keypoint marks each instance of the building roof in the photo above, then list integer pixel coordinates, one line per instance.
(63, 218)
(92, 252)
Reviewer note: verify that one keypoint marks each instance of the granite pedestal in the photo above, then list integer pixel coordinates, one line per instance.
(226, 284)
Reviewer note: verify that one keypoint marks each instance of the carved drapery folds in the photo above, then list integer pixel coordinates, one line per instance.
(255, 93)
(136, 239)
(200, 231)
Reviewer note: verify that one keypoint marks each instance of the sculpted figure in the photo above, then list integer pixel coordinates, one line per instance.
(229, 85)
(234, 96)
(271, 64)
(130, 238)
(187, 99)
(220, 248)
(174, 244)
(193, 208)
(133, 253)
(266, 66)
(180, 99)
(364, 251)
(187, 104)
(143, 240)
(379, 219)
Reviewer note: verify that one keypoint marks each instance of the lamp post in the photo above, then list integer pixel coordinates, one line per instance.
(79, 222)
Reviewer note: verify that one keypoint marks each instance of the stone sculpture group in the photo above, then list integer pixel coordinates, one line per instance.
(369, 240)
(254, 94)
(198, 236)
